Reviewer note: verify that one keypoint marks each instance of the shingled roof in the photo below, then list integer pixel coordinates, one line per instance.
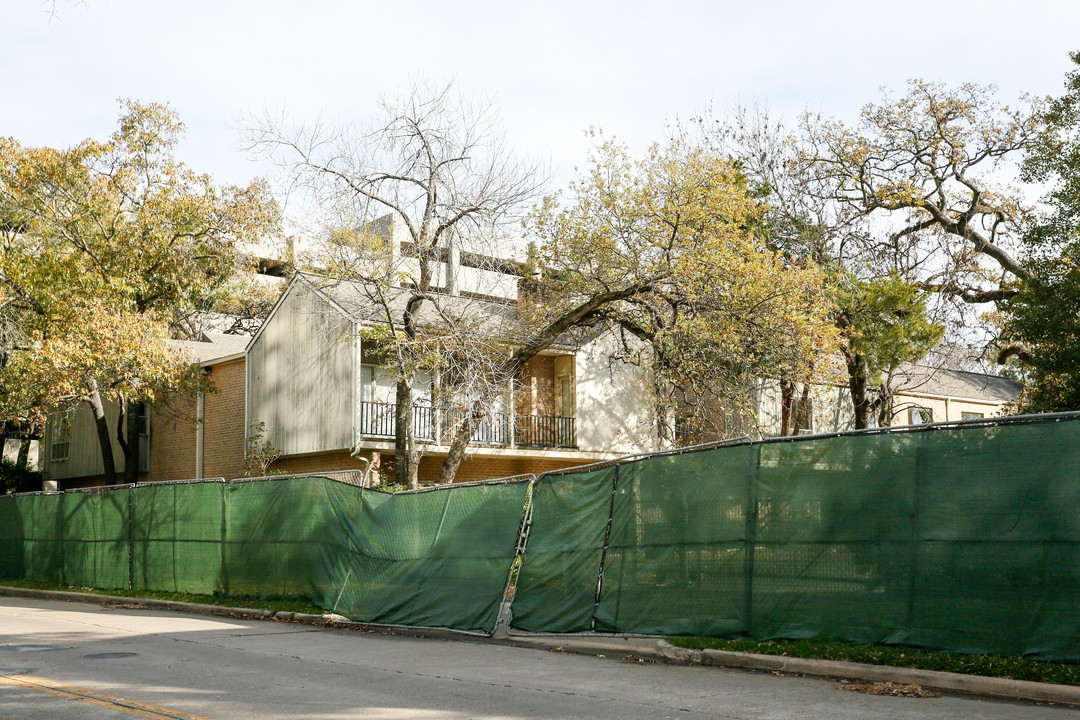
(212, 347)
(920, 379)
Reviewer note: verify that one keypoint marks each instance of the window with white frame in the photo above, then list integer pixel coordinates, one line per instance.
(920, 416)
(60, 445)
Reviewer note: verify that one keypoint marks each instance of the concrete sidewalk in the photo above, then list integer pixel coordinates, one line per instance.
(645, 649)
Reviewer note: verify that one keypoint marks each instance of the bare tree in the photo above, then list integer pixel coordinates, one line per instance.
(438, 164)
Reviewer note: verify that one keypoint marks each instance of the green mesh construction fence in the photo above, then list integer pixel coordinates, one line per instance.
(176, 537)
(963, 538)
(433, 558)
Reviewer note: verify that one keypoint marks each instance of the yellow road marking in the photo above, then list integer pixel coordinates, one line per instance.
(138, 709)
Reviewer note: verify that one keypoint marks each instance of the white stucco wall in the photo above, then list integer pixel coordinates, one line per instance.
(614, 406)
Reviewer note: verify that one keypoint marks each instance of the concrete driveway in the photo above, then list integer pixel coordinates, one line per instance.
(70, 660)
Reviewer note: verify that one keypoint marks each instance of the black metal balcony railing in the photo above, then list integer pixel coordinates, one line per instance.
(545, 431)
(491, 429)
(377, 420)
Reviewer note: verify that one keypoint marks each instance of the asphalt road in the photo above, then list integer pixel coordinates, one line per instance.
(64, 661)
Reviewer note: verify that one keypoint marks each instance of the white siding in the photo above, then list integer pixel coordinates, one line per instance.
(301, 376)
(613, 402)
(84, 454)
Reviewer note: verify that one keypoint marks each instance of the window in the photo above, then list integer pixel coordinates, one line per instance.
(971, 416)
(60, 447)
(920, 416)
(566, 398)
(144, 437)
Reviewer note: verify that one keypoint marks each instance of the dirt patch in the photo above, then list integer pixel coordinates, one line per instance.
(888, 688)
(122, 606)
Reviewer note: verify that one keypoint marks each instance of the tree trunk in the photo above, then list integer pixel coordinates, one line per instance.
(803, 418)
(885, 408)
(458, 445)
(860, 394)
(403, 435)
(787, 402)
(24, 453)
(108, 463)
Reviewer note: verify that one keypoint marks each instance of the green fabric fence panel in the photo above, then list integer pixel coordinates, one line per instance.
(678, 545)
(832, 532)
(999, 540)
(11, 536)
(436, 558)
(42, 527)
(279, 541)
(962, 538)
(176, 537)
(95, 529)
(556, 586)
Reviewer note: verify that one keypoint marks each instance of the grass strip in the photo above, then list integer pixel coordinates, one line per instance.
(256, 603)
(999, 666)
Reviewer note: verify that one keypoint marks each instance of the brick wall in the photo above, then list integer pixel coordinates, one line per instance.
(315, 463)
(223, 435)
(487, 468)
(536, 393)
(172, 441)
(173, 430)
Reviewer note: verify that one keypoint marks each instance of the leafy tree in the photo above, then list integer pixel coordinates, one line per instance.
(105, 245)
(715, 309)
(911, 194)
(803, 221)
(884, 324)
(1042, 323)
(929, 164)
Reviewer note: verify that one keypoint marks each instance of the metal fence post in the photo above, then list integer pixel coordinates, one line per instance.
(604, 551)
(131, 538)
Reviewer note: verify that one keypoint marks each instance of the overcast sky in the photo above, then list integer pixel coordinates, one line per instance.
(553, 67)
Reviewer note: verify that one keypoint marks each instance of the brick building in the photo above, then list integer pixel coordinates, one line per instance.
(188, 438)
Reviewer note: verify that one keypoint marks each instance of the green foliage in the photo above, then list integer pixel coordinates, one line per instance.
(674, 239)
(885, 322)
(1043, 321)
(18, 479)
(104, 244)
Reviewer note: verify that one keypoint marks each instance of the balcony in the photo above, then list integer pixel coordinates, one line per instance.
(498, 429)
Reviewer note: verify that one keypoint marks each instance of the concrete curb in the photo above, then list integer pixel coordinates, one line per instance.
(639, 648)
(935, 679)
